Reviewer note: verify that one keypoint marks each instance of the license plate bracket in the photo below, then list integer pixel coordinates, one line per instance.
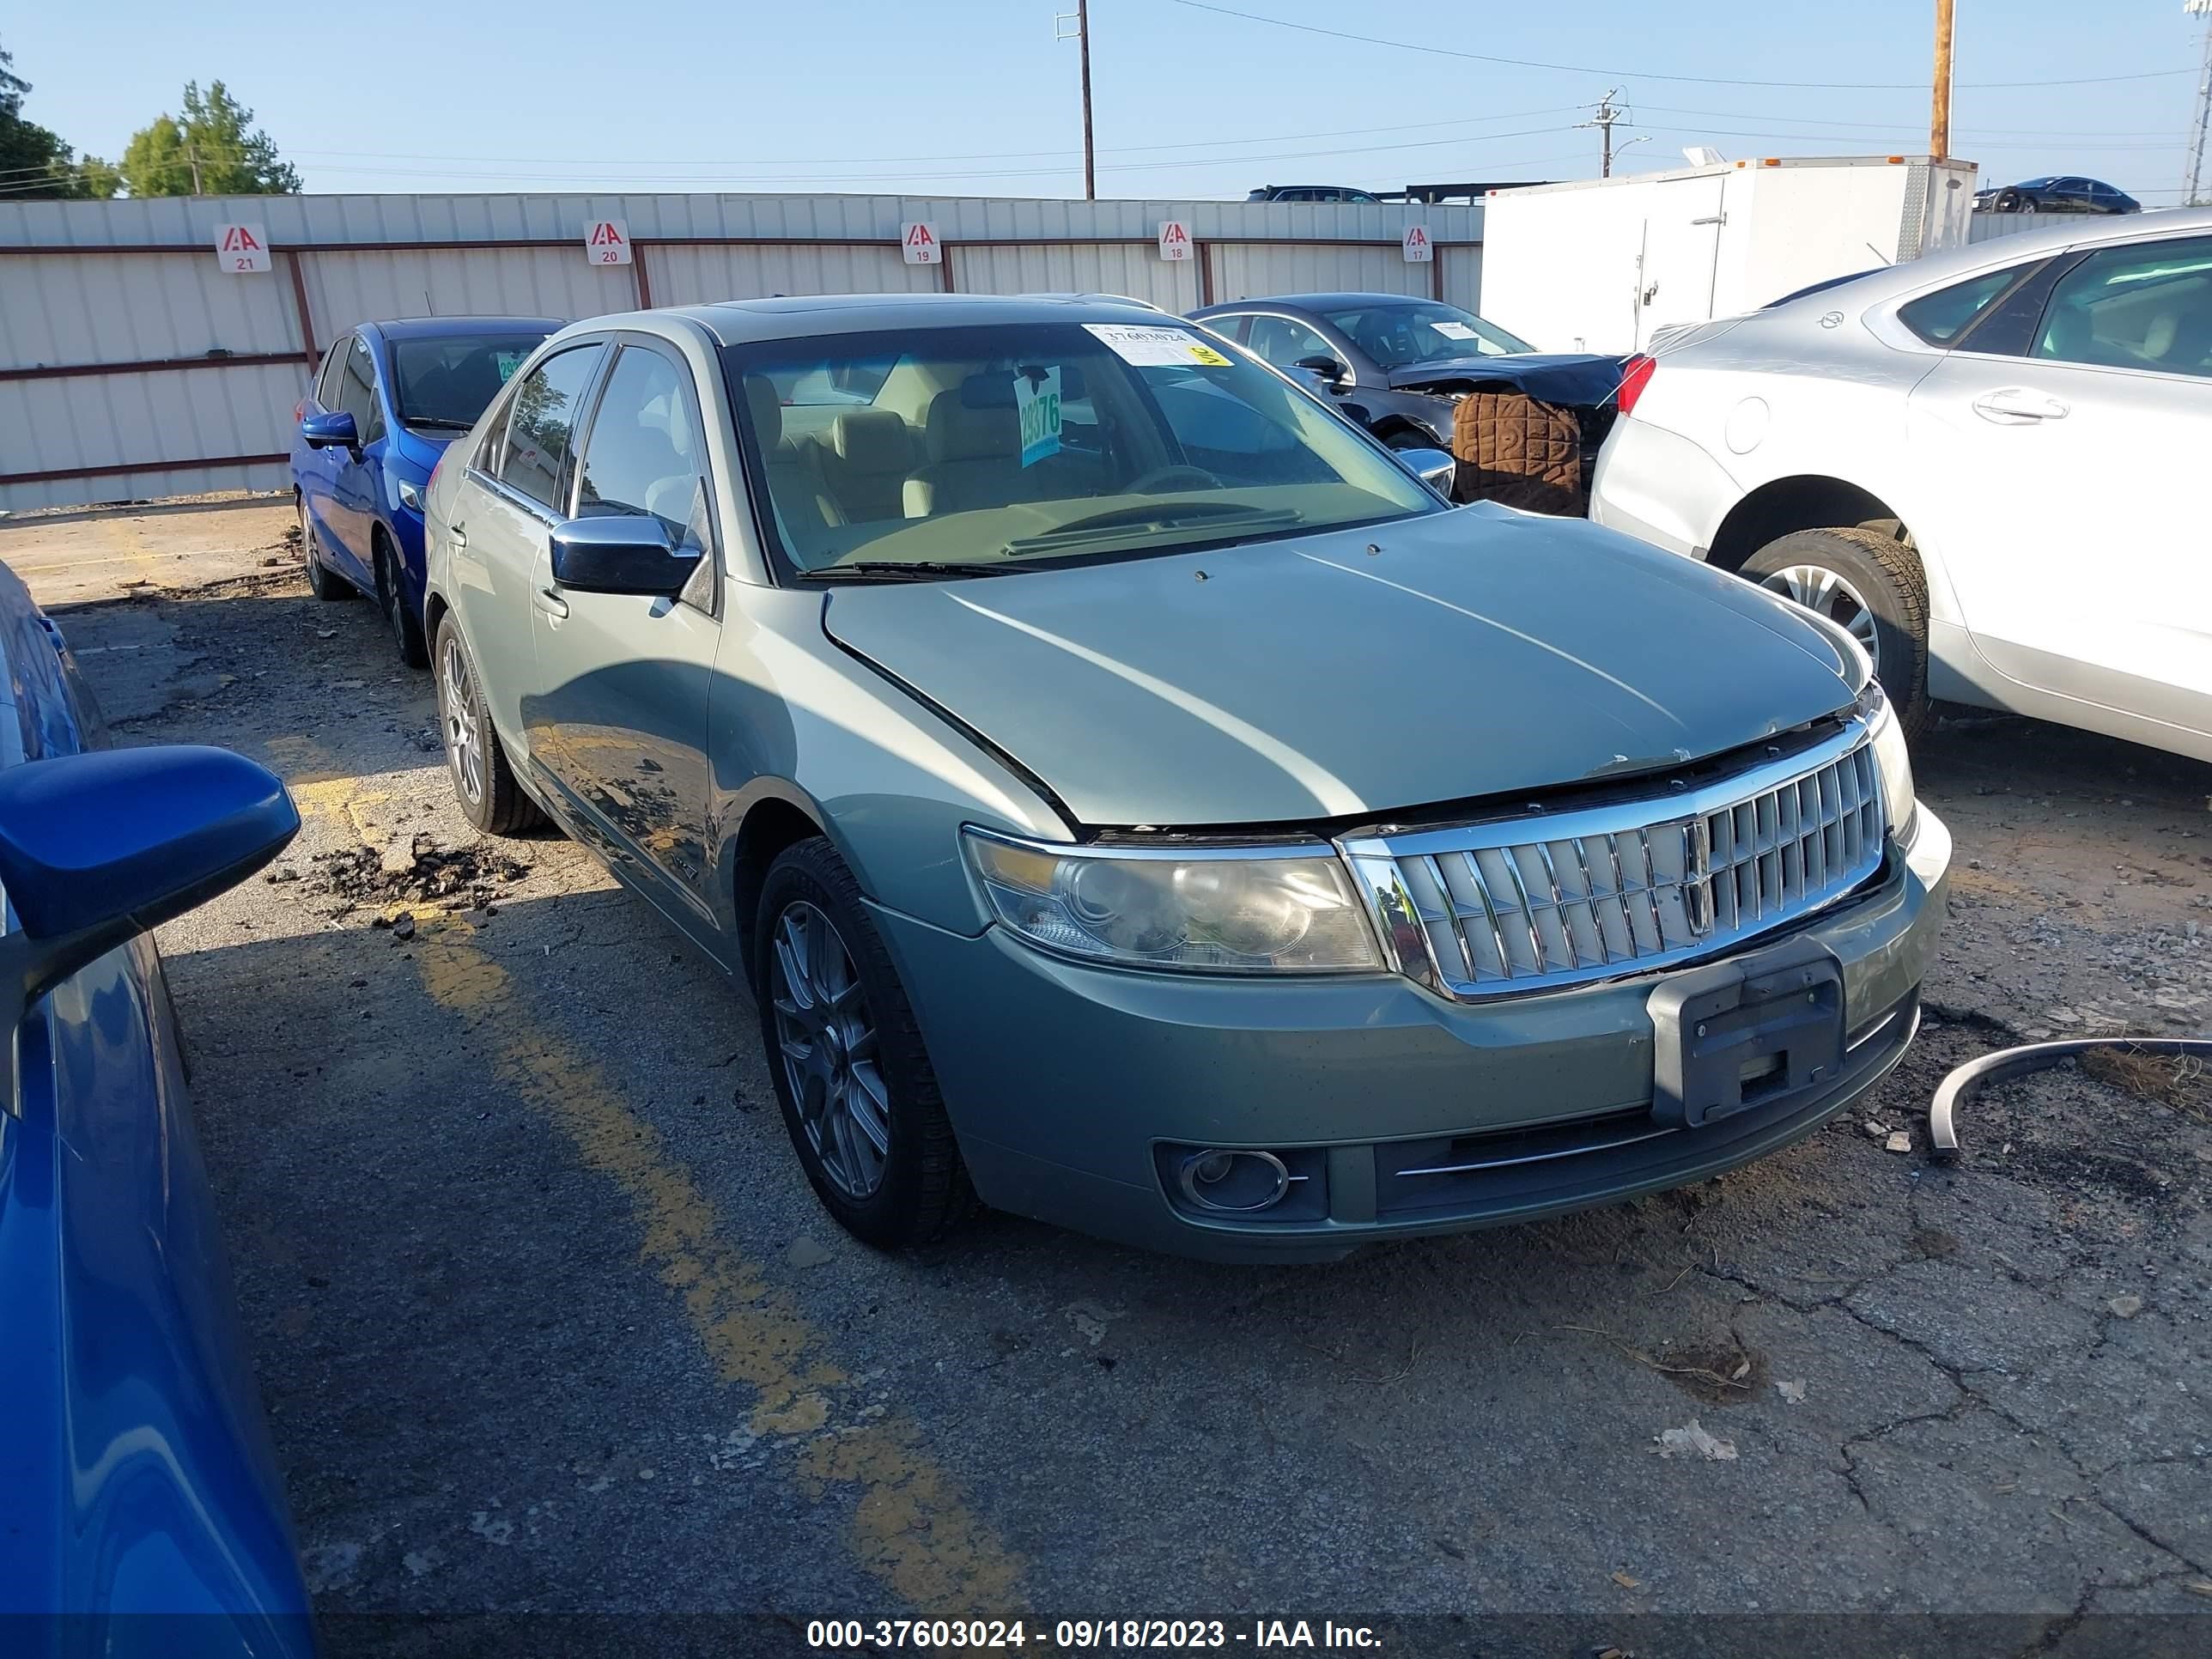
(1756, 1031)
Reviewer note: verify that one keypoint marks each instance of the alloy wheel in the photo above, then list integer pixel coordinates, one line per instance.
(463, 739)
(826, 1040)
(1818, 588)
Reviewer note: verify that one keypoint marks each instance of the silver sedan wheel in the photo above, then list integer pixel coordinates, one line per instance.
(1819, 588)
(464, 739)
(826, 1040)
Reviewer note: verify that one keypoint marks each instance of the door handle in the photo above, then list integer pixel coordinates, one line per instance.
(461, 535)
(550, 602)
(2014, 405)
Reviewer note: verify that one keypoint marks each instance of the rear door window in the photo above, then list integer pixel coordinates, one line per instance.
(541, 422)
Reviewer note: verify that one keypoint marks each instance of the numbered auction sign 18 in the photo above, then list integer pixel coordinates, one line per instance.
(241, 248)
(1175, 240)
(919, 241)
(606, 242)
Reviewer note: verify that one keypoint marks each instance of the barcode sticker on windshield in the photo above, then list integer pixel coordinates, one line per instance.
(1036, 400)
(1156, 347)
(1453, 331)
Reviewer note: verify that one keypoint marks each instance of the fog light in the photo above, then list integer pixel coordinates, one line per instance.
(1238, 1182)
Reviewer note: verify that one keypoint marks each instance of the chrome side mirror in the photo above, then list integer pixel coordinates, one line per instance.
(1433, 467)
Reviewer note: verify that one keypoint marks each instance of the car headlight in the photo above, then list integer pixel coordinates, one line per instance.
(1892, 761)
(1239, 910)
(411, 495)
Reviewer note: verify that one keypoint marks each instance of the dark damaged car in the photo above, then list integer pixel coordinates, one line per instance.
(1402, 366)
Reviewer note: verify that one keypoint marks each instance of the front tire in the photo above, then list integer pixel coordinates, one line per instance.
(860, 1098)
(1870, 584)
(484, 783)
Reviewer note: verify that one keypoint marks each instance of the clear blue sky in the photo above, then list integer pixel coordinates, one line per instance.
(975, 97)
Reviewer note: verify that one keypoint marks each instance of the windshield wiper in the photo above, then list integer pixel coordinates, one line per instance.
(1108, 527)
(902, 570)
(435, 419)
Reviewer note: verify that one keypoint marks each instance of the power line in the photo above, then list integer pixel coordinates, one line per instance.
(1641, 73)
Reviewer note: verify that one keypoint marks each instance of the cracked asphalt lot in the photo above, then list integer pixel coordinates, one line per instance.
(547, 1320)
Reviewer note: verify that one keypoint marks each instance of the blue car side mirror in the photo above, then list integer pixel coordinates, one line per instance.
(328, 430)
(625, 553)
(98, 848)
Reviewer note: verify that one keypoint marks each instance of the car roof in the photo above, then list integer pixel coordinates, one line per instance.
(737, 322)
(1317, 302)
(433, 328)
(1934, 270)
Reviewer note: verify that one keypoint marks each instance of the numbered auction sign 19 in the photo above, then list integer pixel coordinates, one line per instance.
(919, 242)
(606, 242)
(241, 248)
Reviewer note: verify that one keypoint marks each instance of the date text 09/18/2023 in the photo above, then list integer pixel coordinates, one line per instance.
(1085, 1634)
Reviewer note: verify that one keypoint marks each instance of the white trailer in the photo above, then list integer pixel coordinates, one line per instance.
(1603, 264)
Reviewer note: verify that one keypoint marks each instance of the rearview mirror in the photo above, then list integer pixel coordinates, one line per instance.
(97, 848)
(632, 553)
(1433, 467)
(1330, 370)
(327, 431)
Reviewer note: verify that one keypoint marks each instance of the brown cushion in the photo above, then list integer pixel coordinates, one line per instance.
(1518, 450)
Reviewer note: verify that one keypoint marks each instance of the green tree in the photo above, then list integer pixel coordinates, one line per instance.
(212, 149)
(33, 161)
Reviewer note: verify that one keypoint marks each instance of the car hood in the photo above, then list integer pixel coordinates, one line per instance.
(1570, 378)
(1355, 673)
(420, 447)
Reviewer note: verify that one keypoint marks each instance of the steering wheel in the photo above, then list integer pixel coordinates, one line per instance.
(1173, 477)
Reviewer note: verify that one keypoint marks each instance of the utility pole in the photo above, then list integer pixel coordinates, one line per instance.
(2193, 188)
(192, 160)
(1608, 114)
(1081, 18)
(1939, 114)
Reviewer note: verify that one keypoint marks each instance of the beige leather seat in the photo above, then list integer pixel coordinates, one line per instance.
(871, 451)
(975, 459)
(802, 505)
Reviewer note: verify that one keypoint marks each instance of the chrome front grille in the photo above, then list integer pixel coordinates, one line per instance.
(1560, 898)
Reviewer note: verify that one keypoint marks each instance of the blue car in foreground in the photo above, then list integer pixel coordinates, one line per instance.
(387, 399)
(140, 1507)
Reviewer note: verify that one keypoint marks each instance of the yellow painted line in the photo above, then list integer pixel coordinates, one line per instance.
(912, 1527)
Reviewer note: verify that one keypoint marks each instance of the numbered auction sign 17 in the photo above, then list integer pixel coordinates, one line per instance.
(606, 242)
(1419, 249)
(241, 248)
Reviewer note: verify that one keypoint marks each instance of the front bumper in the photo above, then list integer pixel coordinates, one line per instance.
(1073, 1087)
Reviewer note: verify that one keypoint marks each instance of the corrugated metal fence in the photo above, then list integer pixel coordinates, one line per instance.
(1986, 227)
(133, 364)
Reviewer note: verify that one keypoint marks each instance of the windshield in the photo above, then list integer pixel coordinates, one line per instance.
(987, 450)
(1422, 332)
(448, 380)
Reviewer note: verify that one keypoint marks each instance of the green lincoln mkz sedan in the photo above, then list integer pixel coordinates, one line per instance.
(1138, 801)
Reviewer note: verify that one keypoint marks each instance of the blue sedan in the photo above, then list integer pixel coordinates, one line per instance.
(136, 1473)
(387, 399)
